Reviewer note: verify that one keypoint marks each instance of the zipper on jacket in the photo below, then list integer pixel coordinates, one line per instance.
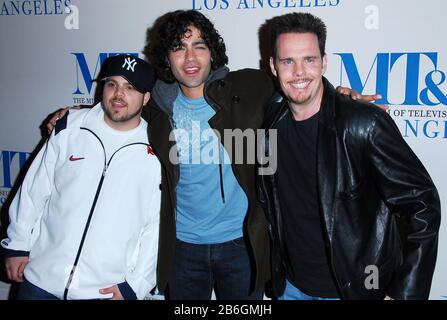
(275, 198)
(215, 106)
(84, 234)
(105, 170)
(178, 155)
(222, 191)
(92, 209)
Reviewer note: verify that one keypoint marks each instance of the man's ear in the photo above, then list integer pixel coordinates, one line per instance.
(146, 98)
(272, 66)
(324, 68)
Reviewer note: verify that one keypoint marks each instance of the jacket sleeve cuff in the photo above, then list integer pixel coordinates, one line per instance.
(127, 291)
(9, 253)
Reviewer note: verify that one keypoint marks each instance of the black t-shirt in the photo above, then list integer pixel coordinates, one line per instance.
(308, 265)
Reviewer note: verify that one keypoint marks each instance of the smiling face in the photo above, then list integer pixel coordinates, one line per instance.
(191, 63)
(122, 103)
(299, 67)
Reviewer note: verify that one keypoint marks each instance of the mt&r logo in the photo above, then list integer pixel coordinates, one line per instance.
(418, 88)
(86, 71)
(428, 93)
(11, 163)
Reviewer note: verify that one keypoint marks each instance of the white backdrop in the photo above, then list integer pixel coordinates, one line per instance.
(50, 49)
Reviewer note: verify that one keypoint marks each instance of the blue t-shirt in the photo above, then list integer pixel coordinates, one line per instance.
(202, 215)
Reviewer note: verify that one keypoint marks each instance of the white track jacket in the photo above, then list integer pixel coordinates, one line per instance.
(89, 220)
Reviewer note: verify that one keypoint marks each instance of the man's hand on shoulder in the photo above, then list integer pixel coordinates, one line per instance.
(355, 95)
(56, 116)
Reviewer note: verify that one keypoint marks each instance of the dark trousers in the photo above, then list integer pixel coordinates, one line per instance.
(28, 291)
(200, 268)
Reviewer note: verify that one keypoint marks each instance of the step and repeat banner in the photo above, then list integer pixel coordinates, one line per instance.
(52, 49)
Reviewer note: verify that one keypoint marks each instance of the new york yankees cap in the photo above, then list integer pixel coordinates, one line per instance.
(138, 72)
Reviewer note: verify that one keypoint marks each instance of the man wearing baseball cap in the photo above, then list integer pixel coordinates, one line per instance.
(137, 78)
(84, 223)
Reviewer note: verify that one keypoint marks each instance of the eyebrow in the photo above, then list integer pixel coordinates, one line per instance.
(291, 58)
(201, 41)
(116, 82)
(195, 43)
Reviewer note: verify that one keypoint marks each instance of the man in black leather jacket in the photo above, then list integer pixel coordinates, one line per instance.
(344, 176)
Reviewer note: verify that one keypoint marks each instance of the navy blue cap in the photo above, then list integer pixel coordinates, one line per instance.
(138, 72)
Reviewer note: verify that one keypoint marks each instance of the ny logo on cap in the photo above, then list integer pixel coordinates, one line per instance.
(130, 64)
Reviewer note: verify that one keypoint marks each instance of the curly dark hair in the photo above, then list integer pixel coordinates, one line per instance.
(300, 23)
(167, 33)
